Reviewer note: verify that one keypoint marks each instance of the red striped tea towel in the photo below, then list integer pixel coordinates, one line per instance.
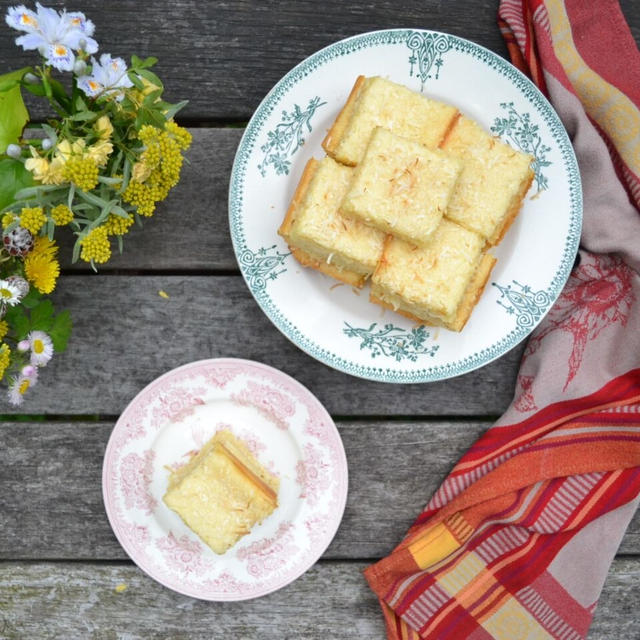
(518, 540)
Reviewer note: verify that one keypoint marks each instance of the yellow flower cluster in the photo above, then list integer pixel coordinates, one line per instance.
(7, 219)
(74, 161)
(44, 171)
(82, 171)
(5, 357)
(32, 219)
(4, 329)
(117, 225)
(96, 246)
(180, 134)
(103, 127)
(159, 167)
(41, 266)
(61, 215)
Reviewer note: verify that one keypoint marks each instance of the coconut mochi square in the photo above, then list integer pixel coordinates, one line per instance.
(319, 236)
(401, 187)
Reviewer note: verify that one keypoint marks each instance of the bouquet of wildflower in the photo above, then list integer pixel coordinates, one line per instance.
(108, 154)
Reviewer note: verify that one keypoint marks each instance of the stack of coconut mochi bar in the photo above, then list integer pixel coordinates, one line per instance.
(412, 194)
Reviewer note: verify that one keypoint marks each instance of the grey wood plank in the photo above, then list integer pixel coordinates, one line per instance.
(125, 335)
(225, 56)
(52, 498)
(332, 600)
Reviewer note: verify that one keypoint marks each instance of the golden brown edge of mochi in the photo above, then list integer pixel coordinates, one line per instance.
(340, 124)
(303, 257)
(469, 300)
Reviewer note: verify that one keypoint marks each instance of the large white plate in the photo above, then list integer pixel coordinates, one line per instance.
(338, 325)
(288, 430)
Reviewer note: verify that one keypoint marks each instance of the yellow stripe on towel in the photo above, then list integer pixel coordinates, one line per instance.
(434, 545)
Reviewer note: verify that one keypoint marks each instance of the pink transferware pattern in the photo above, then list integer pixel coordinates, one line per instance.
(286, 428)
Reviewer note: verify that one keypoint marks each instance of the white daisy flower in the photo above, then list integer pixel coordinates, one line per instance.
(19, 386)
(55, 35)
(9, 293)
(41, 348)
(108, 77)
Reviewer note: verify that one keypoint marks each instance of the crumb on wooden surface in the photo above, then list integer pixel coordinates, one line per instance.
(163, 294)
(121, 587)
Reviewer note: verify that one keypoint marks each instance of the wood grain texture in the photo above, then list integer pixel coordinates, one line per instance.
(52, 506)
(226, 58)
(331, 600)
(215, 316)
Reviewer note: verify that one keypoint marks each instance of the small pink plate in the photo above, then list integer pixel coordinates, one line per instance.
(287, 429)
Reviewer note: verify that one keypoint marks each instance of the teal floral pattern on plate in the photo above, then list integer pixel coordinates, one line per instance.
(394, 342)
(520, 300)
(426, 53)
(262, 265)
(521, 132)
(287, 138)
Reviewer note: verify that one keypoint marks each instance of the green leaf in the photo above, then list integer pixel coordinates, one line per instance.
(80, 104)
(83, 116)
(151, 98)
(13, 114)
(137, 83)
(76, 251)
(119, 211)
(35, 89)
(70, 195)
(174, 108)
(143, 64)
(13, 78)
(32, 192)
(31, 299)
(91, 198)
(60, 93)
(18, 321)
(51, 133)
(60, 331)
(148, 116)
(110, 181)
(151, 77)
(42, 316)
(13, 178)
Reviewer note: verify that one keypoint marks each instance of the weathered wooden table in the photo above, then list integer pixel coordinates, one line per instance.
(59, 561)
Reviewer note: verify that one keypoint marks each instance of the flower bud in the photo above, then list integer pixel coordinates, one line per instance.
(47, 143)
(31, 78)
(29, 371)
(14, 151)
(23, 346)
(79, 67)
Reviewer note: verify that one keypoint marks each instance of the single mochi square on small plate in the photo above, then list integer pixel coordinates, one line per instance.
(222, 492)
(401, 187)
(439, 284)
